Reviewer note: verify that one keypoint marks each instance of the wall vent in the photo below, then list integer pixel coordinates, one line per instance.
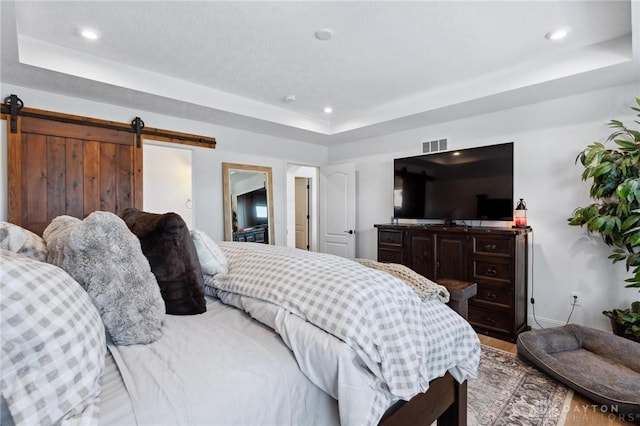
(434, 146)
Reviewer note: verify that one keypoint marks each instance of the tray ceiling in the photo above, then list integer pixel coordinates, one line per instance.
(388, 66)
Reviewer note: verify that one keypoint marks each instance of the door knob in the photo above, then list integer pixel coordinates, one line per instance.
(350, 231)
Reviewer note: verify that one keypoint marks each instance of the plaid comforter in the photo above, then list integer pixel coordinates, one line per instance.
(401, 340)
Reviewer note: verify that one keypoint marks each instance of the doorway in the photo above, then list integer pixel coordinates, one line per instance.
(302, 207)
(167, 179)
(303, 214)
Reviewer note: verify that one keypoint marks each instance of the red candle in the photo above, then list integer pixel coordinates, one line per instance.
(521, 221)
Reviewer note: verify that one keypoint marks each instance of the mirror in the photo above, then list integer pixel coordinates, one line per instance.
(248, 203)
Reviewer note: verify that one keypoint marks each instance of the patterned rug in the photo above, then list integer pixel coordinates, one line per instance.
(511, 392)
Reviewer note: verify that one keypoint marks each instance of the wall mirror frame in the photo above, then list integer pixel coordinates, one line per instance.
(234, 176)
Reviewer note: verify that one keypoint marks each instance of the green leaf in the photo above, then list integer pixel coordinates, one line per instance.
(625, 144)
(629, 222)
(596, 223)
(632, 230)
(601, 169)
(617, 257)
(633, 240)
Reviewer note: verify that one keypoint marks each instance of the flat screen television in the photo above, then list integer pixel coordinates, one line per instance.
(468, 184)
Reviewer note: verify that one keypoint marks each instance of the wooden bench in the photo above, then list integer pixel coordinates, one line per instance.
(460, 292)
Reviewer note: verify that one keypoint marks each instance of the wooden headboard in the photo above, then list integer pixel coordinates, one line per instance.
(61, 164)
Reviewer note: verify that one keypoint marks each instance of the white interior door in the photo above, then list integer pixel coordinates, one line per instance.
(338, 210)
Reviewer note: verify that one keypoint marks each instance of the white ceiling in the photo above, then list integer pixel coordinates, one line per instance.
(390, 65)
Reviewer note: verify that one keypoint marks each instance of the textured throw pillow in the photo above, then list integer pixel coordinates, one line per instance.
(56, 236)
(167, 243)
(53, 345)
(212, 259)
(19, 240)
(422, 286)
(106, 259)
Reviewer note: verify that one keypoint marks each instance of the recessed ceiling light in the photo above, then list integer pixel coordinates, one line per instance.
(456, 153)
(89, 33)
(327, 110)
(289, 99)
(324, 34)
(558, 34)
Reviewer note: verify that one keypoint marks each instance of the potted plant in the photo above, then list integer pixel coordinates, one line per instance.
(626, 322)
(615, 212)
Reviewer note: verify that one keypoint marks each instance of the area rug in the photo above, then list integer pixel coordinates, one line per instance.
(511, 392)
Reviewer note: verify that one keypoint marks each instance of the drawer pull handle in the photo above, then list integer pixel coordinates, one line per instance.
(490, 247)
(490, 321)
(490, 297)
(491, 271)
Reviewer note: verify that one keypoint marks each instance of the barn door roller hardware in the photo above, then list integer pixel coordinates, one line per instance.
(138, 125)
(12, 105)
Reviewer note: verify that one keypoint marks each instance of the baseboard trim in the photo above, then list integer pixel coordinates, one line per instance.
(543, 322)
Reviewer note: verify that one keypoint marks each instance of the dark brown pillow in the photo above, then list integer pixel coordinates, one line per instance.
(167, 244)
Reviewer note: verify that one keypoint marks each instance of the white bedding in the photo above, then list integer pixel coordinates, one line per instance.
(328, 362)
(224, 368)
(219, 368)
(391, 343)
(115, 405)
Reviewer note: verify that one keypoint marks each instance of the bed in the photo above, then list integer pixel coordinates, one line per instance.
(263, 352)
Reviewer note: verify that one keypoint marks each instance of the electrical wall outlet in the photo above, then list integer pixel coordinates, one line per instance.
(576, 298)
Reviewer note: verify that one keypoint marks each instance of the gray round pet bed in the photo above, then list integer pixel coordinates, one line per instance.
(599, 365)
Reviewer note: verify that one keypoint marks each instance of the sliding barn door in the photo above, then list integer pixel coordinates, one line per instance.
(58, 168)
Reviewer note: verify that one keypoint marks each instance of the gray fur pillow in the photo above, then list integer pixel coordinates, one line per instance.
(106, 259)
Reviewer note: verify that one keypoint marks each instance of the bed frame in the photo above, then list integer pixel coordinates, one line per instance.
(444, 401)
(66, 149)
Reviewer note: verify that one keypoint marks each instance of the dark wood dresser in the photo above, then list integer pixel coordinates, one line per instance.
(494, 258)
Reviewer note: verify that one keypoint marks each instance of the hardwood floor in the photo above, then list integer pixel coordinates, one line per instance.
(582, 412)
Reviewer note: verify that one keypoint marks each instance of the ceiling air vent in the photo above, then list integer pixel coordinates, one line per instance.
(434, 146)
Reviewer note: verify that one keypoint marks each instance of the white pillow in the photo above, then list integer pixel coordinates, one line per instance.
(212, 259)
(53, 345)
(19, 240)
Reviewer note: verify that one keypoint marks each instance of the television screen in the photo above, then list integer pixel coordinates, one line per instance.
(468, 184)
(252, 208)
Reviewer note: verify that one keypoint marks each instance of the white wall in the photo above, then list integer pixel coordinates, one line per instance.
(167, 179)
(547, 137)
(234, 146)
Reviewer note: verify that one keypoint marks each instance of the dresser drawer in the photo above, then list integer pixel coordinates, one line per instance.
(493, 295)
(490, 319)
(488, 244)
(390, 238)
(493, 269)
(390, 256)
